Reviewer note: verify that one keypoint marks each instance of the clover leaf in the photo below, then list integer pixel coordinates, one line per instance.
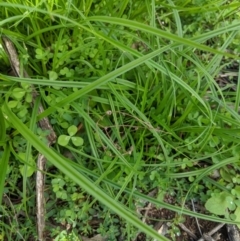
(63, 140)
(40, 54)
(12, 104)
(77, 141)
(52, 75)
(72, 130)
(18, 93)
(27, 169)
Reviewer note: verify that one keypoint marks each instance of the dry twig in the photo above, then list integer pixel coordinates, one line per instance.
(207, 236)
(44, 125)
(184, 228)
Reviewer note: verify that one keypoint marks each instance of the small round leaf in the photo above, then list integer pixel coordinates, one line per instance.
(22, 113)
(12, 104)
(52, 75)
(28, 98)
(63, 140)
(18, 93)
(72, 130)
(77, 141)
(28, 171)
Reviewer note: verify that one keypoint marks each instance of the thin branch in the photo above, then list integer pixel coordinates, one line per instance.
(199, 229)
(44, 124)
(213, 231)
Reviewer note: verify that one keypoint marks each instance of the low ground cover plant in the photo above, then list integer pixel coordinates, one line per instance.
(143, 95)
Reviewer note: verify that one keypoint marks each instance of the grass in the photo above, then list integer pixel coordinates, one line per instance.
(142, 80)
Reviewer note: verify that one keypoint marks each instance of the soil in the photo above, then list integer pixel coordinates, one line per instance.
(185, 228)
(162, 219)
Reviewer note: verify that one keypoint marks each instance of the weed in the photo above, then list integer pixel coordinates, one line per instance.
(134, 92)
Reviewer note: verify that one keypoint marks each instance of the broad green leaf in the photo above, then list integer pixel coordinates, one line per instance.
(21, 156)
(237, 214)
(18, 93)
(236, 191)
(77, 141)
(22, 113)
(27, 170)
(226, 175)
(12, 103)
(28, 97)
(219, 203)
(63, 140)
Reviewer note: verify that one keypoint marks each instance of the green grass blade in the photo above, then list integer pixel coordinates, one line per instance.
(77, 177)
(2, 129)
(6, 154)
(157, 32)
(141, 196)
(237, 103)
(3, 169)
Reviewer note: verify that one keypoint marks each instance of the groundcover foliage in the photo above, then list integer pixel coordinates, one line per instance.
(131, 89)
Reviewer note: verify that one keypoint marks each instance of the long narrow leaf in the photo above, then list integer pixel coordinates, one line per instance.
(77, 177)
(157, 32)
(2, 128)
(3, 169)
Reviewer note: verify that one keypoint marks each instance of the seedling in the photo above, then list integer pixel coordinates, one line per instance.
(63, 140)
